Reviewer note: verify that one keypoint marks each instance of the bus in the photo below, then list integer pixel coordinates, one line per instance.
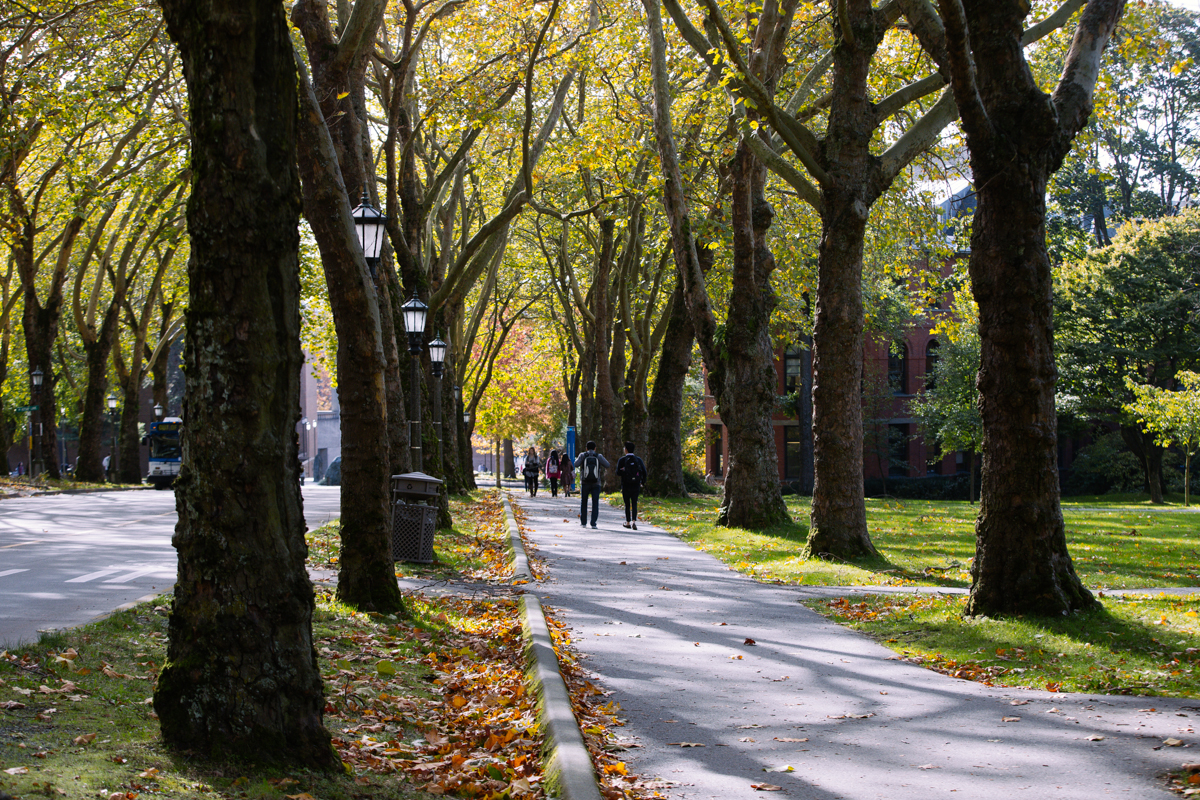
(166, 454)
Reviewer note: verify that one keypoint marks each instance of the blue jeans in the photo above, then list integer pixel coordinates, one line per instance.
(586, 489)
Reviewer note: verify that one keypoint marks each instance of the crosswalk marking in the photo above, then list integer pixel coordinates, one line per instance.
(137, 573)
(12, 572)
(91, 576)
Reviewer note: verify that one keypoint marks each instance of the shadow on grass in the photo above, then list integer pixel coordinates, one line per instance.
(1103, 652)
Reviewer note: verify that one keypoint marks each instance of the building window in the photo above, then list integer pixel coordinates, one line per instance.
(898, 450)
(933, 457)
(793, 370)
(793, 453)
(898, 369)
(931, 360)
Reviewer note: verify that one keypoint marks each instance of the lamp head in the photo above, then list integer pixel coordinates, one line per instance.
(112, 402)
(369, 225)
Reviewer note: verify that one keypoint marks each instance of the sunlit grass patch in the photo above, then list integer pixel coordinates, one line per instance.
(932, 543)
(475, 547)
(1139, 646)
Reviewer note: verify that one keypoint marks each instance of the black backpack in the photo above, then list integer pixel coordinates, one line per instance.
(590, 472)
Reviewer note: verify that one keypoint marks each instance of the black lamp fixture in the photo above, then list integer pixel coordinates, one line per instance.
(158, 411)
(369, 225)
(414, 312)
(437, 356)
(36, 376)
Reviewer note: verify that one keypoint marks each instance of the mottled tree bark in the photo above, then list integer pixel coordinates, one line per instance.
(241, 677)
(95, 411)
(1017, 137)
(609, 439)
(664, 447)
(366, 575)
(742, 374)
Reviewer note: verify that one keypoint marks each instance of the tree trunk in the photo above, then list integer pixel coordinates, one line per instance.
(609, 439)
(1017, 137)
(95, 411)
(509, 461)
(41, 329)
(744, 380)
(1021, 562)
(241, 678)
(1149, 455)
(366, 575)
(130, 442)
(664, 448)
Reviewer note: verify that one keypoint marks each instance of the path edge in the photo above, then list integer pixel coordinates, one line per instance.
(568, 765)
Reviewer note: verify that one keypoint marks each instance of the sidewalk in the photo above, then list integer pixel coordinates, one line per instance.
(664, 627)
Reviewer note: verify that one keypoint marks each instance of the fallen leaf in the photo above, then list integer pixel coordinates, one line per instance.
(686, 744)
(790, 739)
(746, 739)
(86, 738)
(1019, 703)
(17, 770)
(10, 705)
(749, 641)
(1010, 719)
(784, 768)
(766, 787)
(1095, 737)
(301, 796)
(929, 766)
(1173, 742)
(386, 668)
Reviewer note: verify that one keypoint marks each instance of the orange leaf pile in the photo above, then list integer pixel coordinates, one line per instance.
(476, 737)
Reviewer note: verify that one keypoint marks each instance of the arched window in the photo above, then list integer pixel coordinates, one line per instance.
(931, 359)
(898, 369)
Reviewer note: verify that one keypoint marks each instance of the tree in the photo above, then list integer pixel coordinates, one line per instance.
(1127, 313)
(1174, 418)
(947, 408)
(1017, 136)
(241, 676)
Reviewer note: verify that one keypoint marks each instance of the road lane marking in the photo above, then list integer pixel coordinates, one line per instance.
(91, 576)
(11, 572)
(137, 573)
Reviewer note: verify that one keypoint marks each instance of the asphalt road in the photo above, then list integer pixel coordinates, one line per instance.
(726, 683)
(65, 559)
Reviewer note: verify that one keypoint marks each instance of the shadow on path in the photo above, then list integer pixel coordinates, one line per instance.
(664, 627)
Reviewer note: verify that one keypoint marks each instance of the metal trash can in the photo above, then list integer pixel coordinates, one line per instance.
(414, 516)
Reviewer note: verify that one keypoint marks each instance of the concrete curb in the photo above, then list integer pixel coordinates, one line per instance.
(520, 560)
(569, 772)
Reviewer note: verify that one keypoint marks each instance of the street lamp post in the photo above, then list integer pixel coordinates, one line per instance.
(35, 378)
(158, 412)
(414, 312)
(437, 358)
(112, 418)
(369, 225)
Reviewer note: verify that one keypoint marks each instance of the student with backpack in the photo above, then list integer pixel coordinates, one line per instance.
(531, 470)
(588, 463)
(633, 477)
(553, 472)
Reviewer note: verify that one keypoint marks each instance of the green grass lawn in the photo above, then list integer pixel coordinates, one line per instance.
(1116, 544)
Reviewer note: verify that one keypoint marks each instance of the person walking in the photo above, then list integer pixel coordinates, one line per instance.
(632, 471)
(568, 474)
(531, 470)
(553, 472)
(589, 463)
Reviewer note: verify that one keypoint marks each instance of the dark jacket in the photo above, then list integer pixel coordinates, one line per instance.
(632, 470)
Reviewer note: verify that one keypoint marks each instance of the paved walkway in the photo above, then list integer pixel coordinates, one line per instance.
(664, 627)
